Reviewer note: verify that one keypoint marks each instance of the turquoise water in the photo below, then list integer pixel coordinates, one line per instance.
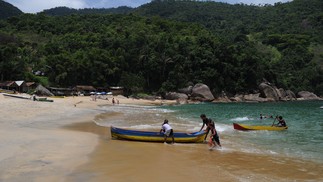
(302, 140)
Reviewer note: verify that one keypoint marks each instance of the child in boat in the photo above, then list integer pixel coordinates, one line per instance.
(167, 130)
(214, 136)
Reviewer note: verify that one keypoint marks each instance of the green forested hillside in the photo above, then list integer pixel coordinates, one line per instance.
(228, 47)
(8, 10)
(226, 20)
(62, 11)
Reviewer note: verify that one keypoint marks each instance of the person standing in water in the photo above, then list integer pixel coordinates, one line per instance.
(167, 130)
(214, 136)
(206, 121)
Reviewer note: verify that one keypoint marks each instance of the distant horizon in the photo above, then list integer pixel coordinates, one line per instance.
(36, 6)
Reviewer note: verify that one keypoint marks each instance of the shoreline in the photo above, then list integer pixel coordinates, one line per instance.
(190, 162)
(59, 141)
(34, 145)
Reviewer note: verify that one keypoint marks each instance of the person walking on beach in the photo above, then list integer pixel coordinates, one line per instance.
(206, 121)
(215, 140)
(167, 130)
(113, 101)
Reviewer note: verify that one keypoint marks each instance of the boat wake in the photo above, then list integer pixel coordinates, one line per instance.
(245, 118)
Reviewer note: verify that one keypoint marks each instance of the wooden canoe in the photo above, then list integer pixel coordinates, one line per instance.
(249, 127)
(148, 136)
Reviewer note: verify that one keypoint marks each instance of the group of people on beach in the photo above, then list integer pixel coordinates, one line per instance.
(214, 138)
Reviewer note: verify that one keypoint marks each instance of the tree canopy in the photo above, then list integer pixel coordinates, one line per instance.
(8, 10)
(163, 45)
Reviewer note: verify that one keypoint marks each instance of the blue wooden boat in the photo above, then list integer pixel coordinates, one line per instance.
(148, 136)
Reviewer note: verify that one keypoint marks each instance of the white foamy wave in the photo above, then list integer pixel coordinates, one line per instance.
(223, 127)
(108, 123)
(186, 120)
(144, 126)
(246, 118)
(162, 110)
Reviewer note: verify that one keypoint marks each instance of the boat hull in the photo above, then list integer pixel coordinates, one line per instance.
(247, 127)
(146, 136)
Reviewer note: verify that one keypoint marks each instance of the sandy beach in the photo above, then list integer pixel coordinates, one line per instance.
(58, 141)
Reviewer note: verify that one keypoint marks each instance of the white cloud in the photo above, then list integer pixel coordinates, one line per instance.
(256, 2)
(116, 3)
(34, 6)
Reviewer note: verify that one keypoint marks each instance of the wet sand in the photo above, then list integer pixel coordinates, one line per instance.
(119, 160)
(60, 142)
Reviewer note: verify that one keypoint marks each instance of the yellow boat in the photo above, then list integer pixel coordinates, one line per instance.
(249, 127)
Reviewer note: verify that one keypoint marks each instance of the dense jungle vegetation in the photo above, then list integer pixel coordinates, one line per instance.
(7, 10)
(164, 45)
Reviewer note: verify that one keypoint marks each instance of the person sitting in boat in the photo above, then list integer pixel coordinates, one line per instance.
(206, 121)
(281, 122)
(167, 130)
(214, 136)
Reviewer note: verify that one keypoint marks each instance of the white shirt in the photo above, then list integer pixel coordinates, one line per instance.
(166, 127)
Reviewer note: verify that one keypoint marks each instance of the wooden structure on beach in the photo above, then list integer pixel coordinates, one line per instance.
(62, 91)
(84, 89)
(116, 90)
(18, 86)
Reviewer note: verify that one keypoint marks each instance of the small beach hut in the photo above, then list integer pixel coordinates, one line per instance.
(116, 90)
(29, 86)
(13, 85)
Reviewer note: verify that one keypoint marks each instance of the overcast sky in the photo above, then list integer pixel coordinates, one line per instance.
(35, 6)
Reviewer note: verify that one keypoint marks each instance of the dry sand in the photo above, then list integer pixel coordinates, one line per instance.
(58, 141)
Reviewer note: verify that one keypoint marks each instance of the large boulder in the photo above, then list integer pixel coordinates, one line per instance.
(202, 92)
(187, 90)
(290, 95)
(175, 96)
(268, 91)
(285, 95)
(305, 95)
(42, 91)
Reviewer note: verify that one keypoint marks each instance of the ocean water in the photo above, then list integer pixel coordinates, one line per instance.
(302, 140)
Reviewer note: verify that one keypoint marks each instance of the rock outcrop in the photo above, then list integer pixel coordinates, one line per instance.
(187, 90)
(268, 91)
(305, 95)
(202, 92)
(175, 96)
